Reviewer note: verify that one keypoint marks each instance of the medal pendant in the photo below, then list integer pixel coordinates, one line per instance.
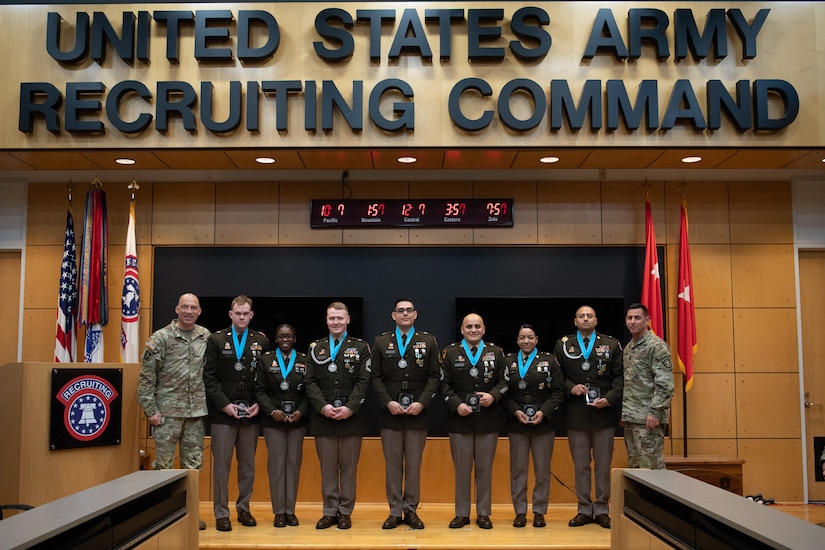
(522, 384)
(402, 363)
(284, 385)
(473, 372)
(238, 366)
(586, 365)
(332, 367)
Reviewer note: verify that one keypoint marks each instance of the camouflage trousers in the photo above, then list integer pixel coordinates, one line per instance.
(188, 432)
(645, 447)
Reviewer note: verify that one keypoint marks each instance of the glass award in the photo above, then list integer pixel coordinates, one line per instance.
(474, 402)
(242, 406)
(593, 393)
(288, 407)
(530, 411)
(406, 399)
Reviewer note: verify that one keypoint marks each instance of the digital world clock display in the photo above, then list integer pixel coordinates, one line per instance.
(410, 212)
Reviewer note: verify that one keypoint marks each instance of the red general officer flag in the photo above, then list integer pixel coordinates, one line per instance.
(651, 284)
(687, 317)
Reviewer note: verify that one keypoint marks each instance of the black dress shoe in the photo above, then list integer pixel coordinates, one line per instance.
(603, 520)
(344, 521)
(291, 520)
(391, 522)
(246, 519)
(538, 520)
(223, 524)
(579, 520)
(412, 519)
(326, 522)
(459, 522)
(280, 520)
(484, 522)
(520, 521)
(201, 525)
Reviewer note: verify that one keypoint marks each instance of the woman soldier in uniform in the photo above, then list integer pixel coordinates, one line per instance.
(535, 394)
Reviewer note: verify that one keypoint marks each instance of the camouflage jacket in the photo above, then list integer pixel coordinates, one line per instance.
(648, 380)
(171, 374)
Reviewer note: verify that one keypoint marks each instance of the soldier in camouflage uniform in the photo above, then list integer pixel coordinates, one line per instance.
(170, 387)
(648, 391)
(171, 390)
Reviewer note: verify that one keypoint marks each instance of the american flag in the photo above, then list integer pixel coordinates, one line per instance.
(65, 347)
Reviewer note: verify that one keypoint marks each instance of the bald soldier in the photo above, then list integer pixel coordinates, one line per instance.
(472, 384)
(171, 389)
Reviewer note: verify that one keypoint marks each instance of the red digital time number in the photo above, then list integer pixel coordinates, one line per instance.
(375, 209)
(455, 209)
(496, 208)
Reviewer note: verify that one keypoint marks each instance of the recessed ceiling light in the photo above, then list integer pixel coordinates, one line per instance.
(407, 160)
(549, 160)
(265, 160)
(125, 161)
(691, 160)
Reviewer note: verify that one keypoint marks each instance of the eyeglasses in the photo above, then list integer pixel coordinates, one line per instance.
(405, 310)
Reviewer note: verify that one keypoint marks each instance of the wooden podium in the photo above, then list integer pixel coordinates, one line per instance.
(719, 471)
(34, 474)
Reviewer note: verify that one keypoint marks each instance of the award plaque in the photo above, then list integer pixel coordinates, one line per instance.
(406, 399)
(288, 407)
(337, 402)
(242, 405)
(530, 411)
(474, 402)
(593, 393)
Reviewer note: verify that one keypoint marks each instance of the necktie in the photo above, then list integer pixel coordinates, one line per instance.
(403, 339)
(335, 344)
(586, 341)
(474, 350)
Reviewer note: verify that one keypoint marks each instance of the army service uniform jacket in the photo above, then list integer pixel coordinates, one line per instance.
(543, 390)
(345, 381)
(604, 372)
(272, 391)
(419, 379)
(224, 382)
(457, 382)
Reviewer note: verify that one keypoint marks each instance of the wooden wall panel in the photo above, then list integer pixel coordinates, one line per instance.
(246, 213)
(767, 406)
(38, 333)
(763, 275)
(709, 390)
(761, 212)
(714, 333)
(719, 447)
(569, 213)
(46, 212)
(42, 275)
(294, 229)
(772, 467)
(10, 265)
(623, 212)
(184, 213)
(707, 206)
(525, 217)
(394, 236)
(766, 340)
